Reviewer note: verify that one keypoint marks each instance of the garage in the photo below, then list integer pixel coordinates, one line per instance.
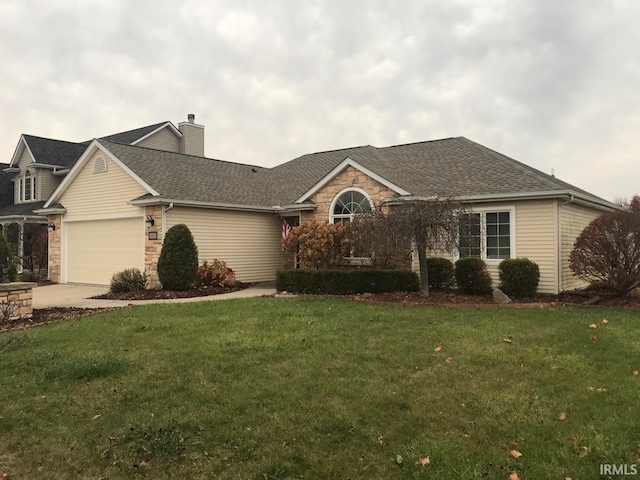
(97, 249)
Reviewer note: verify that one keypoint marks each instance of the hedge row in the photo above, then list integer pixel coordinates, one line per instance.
(344, 282)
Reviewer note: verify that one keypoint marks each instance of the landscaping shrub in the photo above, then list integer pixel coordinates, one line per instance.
(129, 280)
(519, 277)
(472, 276)
(7, 262)
(608, 250)
(178, 263)
(439, 272)
(344, 282)
(318, 244)
(216, 274)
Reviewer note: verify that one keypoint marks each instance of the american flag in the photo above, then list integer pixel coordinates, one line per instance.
(286, 228)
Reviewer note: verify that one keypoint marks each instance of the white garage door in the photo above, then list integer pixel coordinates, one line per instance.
(98, 249)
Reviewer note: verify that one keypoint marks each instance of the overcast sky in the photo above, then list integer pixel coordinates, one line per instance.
(554, 84)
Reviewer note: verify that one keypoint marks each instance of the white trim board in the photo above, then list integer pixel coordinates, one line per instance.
(168, 124)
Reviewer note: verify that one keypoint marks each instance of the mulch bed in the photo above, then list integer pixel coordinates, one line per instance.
(158, 294)
(457, 299)
(44, 316)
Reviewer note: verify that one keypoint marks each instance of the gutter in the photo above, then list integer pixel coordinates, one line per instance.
(559, 239)
(164, 218)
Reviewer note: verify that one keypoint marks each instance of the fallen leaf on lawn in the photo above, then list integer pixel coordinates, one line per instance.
(506, 340)
(568, 478)
(600, 390)
(635, 373)
(423, 462)
(574, 440)
(437, 349)
(515, 453)
(593, 338)
(381, 440)
(398, 459)
(562, 416)
(448, 359)
(584, 451)
(509, 446)
(593, 325)
(97, 416)
(604, 321)
(590, 389)
(514, 476)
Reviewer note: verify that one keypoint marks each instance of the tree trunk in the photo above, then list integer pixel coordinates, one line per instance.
(424, 278)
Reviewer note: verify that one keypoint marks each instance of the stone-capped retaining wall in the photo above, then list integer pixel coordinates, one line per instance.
(19, 293)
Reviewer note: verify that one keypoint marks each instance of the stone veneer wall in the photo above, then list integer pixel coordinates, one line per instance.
(20, 293)
(349, 177)
(54, 248)
(152, 248)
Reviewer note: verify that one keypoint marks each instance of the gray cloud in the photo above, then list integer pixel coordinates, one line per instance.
(553, 84)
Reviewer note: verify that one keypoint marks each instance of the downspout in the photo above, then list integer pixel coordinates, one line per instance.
(164, 219)
(559, 240)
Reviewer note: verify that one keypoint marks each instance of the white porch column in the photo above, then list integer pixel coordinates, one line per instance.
(20, 244)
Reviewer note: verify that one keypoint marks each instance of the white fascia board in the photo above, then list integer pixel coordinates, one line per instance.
(38, 218)
(15, 153)
(84, 158)
(199, 204)
(294, 208)
(50, 211)
(344, 164)
(514, 196)
(168, 124)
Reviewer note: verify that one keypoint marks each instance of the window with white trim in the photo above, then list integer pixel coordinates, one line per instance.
(27, 187)
(349, 204)
(487, 235)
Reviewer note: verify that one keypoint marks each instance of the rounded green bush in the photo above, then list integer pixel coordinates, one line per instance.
(472, 276)
(440, 272)
(519, 277)
(178, 262)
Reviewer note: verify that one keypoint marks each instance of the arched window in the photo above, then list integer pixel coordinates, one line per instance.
(348, 204)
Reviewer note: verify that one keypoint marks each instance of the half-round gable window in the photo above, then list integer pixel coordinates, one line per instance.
(99, 165)
(348, 204)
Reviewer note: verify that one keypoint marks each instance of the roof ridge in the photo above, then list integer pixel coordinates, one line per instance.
(181, 154)
(551, 181)
(416, 143)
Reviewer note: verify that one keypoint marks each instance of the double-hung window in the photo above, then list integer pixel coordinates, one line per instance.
(27, 187)
(488, 235)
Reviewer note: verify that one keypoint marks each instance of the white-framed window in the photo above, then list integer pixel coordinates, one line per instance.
(27, 187)
(349, 203)
(488, 234)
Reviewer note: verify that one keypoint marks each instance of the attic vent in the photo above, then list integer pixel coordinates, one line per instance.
(99, 165)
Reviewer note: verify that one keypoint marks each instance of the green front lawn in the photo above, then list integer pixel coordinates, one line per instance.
(321, 388)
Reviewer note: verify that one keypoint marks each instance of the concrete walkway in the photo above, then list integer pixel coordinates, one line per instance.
(68, 295)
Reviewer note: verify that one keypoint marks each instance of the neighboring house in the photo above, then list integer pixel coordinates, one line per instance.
(114, 206)
(39, 165)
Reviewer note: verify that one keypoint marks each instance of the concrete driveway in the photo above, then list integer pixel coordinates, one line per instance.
(73, 295)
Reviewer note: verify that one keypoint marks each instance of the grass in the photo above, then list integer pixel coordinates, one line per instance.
(321, 388)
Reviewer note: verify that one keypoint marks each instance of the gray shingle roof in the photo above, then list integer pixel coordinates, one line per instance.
(20, 209)
(131, 136)
(54, 152)
(183, 177)
(453, 166)
(6, 186)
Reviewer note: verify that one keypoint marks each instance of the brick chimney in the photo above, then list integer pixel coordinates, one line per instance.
(192, 141)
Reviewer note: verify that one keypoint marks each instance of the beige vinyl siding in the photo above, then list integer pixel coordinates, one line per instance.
(536, 239)
(192, 139)
(164, 139)
(573, 219)
(92, 195)
(47, 183)
(248, 241)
